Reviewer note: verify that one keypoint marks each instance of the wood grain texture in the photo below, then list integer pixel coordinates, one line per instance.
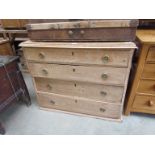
(149, 71)
(151, 55)
(79, 105)
(80, 45)
(147, 87)
(141, 98)
(102, 57)
(80, 89)
(84, 24)
(5, 47)
(100, 75)
(144, 102)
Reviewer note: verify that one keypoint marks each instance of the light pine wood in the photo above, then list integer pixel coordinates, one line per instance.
(101, 75)
(104, 57)
(79, 105)
(79, 45)
(151, 55)
(75, 72)
(149, 71)
(144, 102)
(84, 24)
(147, 87)
(81, 89)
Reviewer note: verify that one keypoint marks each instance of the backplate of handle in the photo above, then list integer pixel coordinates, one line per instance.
(105, 59)
(102, 110)
(45, 71)
(104, 76)
(41, 55)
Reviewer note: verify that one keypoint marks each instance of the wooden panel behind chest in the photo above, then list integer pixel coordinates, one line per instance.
(108, 57)
(81, 89)
(5, 48)
(102, 75)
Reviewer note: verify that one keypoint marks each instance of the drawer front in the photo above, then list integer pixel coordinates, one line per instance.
(102, 75)
(149, 71)
(147, 86)
(86, 34)
(151, 55)
(144, 102)
(107, 57)
(81, 89)
(78, 105)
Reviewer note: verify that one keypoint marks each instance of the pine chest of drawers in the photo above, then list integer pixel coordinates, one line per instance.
(85, 78)
(142, 95)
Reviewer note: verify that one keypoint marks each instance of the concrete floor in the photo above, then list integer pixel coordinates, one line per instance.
(22, 120)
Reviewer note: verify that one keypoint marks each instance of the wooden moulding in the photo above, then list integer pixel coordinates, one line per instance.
(89, 30)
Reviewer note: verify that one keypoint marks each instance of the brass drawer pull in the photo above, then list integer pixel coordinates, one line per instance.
(70, 32)
(103, 93)
(41, 55)
(150, 103)
(82, 32)
(49, 86)
(45, 71)
(105, 59)
(52, 102)
(102, 110)
(104, 76)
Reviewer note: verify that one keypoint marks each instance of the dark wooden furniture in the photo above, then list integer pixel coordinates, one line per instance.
(86, 30)
(142, 95)
(12, 85)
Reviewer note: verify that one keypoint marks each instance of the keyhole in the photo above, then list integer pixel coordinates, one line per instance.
(72, 53)
(75, 101)
(75, 84)
(73, 69)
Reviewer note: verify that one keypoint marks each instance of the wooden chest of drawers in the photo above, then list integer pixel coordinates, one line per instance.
(86, 30)
(142, 95)
(85, 78)
(5, 47)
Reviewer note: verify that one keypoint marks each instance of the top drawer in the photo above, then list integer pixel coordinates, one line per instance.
(106, 57)
(151, 55)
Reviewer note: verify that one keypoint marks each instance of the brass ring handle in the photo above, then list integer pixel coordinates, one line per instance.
(103, 93)
(82, 32)
(102, 110)
(70, 32)
(105, 59)
(41, 55)
(51, 101)
(45, 71)
(150, 103)
(104, 76)
(49, 86)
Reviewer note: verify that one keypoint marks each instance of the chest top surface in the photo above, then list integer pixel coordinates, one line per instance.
(146, 36)
(100, 45)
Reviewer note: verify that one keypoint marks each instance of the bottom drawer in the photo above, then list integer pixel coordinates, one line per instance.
(142, 102)
(79, 105)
